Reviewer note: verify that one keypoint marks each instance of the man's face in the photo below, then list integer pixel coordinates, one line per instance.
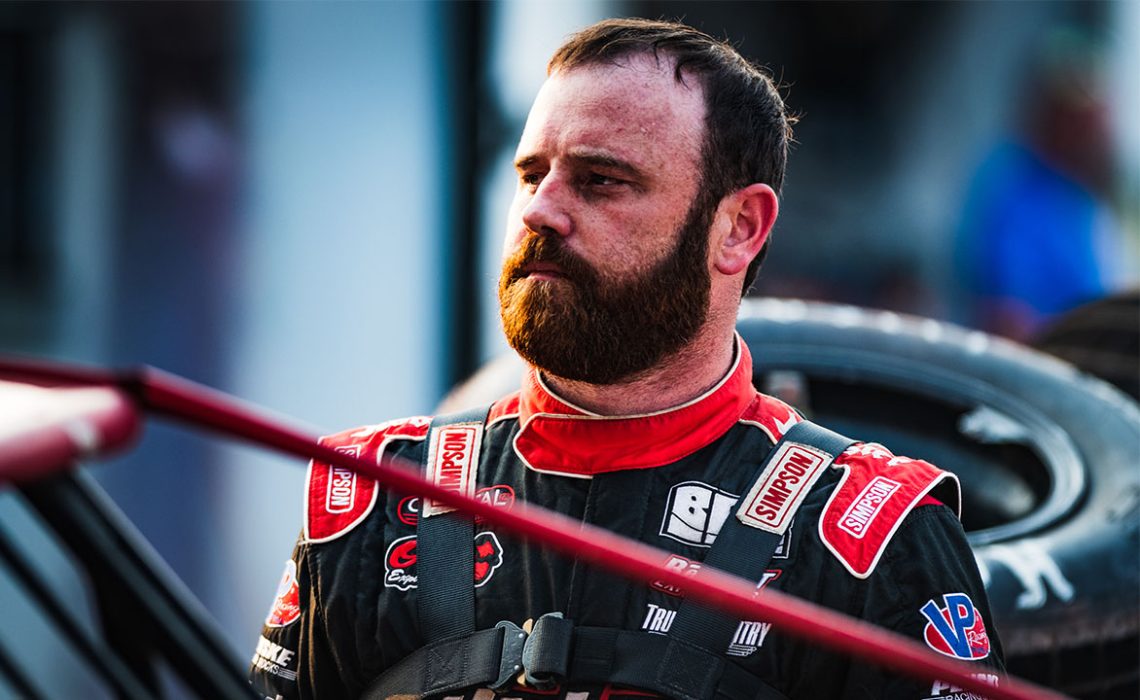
(606, 267)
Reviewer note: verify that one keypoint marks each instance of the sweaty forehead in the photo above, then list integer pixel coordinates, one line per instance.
(634, 108)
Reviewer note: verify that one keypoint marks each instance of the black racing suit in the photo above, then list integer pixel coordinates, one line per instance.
(346, 609)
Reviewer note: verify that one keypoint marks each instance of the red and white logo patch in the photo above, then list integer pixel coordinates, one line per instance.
(867, 505)
(453, 459)
(690, 568)
(400, 561)
(499, 496)
(287, 603)
(680, 564)
(340, 491)
(774, 498)
(338, 498)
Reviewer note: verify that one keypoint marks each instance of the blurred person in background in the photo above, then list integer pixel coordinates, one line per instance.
(1038, 236)
(648, 180)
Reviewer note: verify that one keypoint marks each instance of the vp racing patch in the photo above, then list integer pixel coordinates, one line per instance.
(956, 628)
(400, 561)
(287, 603)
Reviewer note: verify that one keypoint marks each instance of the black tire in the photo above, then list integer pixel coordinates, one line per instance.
(1049, 460)
(1102, 338)
(1048, 457)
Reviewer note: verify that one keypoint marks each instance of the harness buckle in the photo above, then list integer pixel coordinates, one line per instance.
(546, 655)
(511, 657)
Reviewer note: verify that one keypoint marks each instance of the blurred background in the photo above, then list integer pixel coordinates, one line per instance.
(302, 204)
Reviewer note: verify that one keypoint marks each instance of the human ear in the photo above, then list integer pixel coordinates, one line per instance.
(751, 212)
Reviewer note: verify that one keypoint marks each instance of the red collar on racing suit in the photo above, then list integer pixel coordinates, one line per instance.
(558, 437)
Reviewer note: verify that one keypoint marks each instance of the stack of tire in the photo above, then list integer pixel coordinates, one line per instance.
(1048, 458)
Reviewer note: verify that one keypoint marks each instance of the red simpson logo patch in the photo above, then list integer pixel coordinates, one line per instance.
(956, 629)
(287, 603)
(774, 498)
(867, 505)
(454, 451)
(340, 489)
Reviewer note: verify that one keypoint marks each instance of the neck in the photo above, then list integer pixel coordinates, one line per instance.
(679, 378)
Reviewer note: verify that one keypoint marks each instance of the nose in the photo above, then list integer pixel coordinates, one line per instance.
(546, 211)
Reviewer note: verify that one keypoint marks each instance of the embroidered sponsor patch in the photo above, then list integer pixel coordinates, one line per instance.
(867, 505)
(408, 510)
(689, 568)
(658, 619)
(746, 639)
(941, 690)
(400, 561)
(337, 498)
(875, 493)
(499, 496)
(786, 481)
(340, 489)
(452, 461)
(488, 556)
(287, 603)
(956, 628)
(749, 637)
(681, 565)
(274, 659)
(695, 513)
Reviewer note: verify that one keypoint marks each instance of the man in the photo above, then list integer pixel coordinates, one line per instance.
(648, 177)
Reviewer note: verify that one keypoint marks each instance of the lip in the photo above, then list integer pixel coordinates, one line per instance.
(543, 271)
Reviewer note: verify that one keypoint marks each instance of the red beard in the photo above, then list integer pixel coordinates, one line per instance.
(585, 326)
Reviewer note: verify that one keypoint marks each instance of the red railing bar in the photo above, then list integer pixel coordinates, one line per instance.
(183, 400)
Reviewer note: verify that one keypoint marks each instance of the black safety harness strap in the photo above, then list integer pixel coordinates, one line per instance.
(445, 549)
(745, 551)
(489, 658)
(689, 663)
(634, 658)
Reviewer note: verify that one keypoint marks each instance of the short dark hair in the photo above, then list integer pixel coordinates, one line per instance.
(747, 127)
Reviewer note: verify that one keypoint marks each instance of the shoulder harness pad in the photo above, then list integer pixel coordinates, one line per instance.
(872, 499)
(771, 415)
(338, 499)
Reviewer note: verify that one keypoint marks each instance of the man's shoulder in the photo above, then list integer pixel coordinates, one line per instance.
(874, 493)
(337, 499)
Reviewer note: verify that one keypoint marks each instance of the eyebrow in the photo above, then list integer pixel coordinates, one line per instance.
(606, 160)
(525, 162)
(590, 157)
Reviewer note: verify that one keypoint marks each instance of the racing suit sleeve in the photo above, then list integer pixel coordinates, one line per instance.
(292, 659)
(927, 588)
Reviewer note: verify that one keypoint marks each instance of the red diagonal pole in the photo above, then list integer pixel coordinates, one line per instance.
(203, 407)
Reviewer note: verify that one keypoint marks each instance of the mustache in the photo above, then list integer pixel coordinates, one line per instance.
(547, 250)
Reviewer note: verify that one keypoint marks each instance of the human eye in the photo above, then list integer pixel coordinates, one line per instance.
(530, 179)
(595, 179)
